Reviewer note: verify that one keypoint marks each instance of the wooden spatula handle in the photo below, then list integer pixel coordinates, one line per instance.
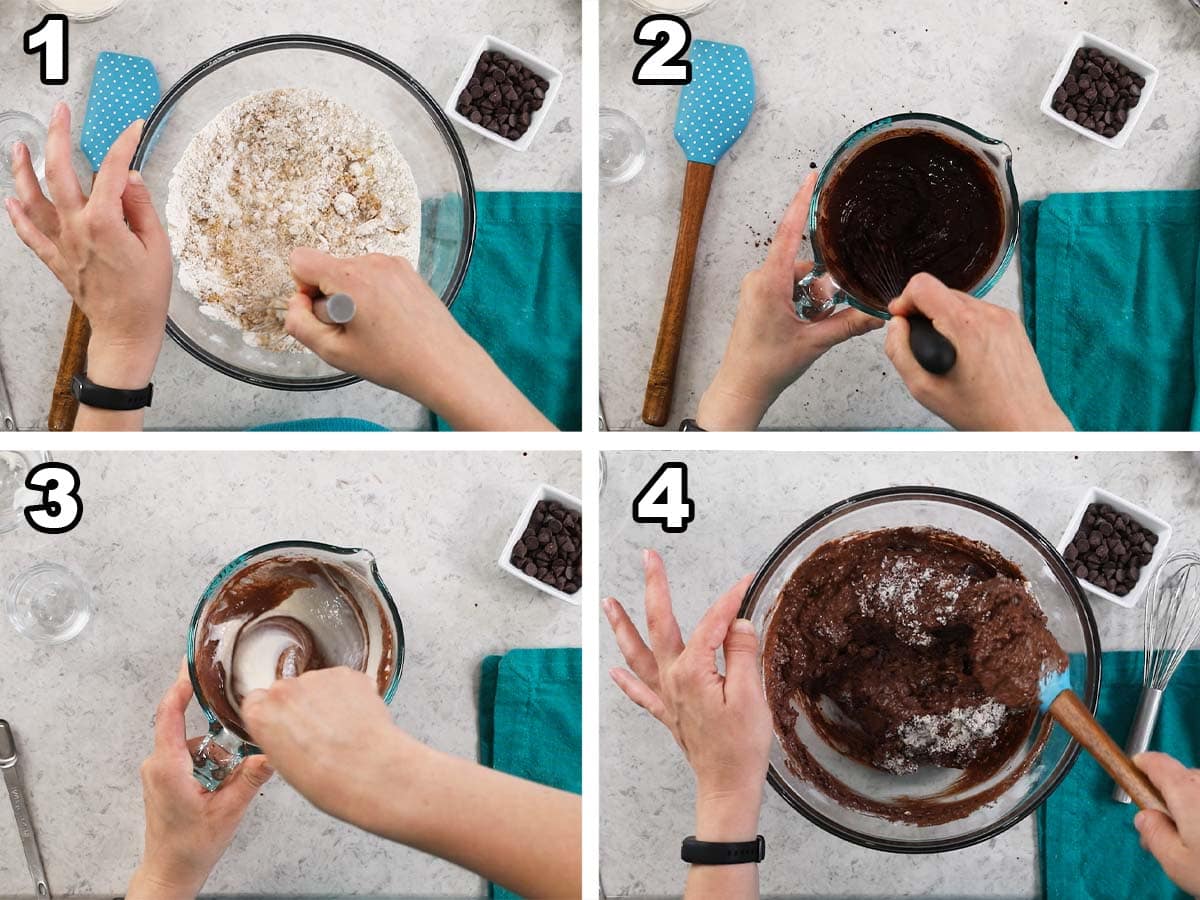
(1070, 712)
(63, 405)
(661, 383)
(71, 362)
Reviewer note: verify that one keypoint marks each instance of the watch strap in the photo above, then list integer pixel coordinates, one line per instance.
(719, 853)
(88, 393)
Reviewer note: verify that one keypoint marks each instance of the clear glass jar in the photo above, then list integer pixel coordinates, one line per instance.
(82, 10)
(685, 10)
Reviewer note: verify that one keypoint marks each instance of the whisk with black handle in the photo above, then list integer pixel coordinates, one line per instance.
(1171, 626)
(930, 347)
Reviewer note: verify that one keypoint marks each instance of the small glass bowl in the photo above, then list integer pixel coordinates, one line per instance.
(651, 8)
(51, 7)
(363, 80)
(1069, 619)
(48, 603)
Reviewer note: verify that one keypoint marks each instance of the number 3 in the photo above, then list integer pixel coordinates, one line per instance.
(61, 507)
(49, 38)
(664, 500)
(670, 37)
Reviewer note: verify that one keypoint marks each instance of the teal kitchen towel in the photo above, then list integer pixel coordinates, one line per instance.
(1087, 844)
(531, 719)
(336, 423)
(1111, 284)
(522, 299)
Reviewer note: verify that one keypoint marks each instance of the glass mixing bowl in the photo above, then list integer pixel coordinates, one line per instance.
(1070, 620)
(364, 81)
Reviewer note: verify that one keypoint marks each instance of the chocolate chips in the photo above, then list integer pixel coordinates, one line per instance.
(502, 96)
(1098, 92)
(551, 548)
(1110, 549)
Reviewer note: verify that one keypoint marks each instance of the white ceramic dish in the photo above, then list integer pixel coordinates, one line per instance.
(1143, 517)
(542, 492)
(537, 65)
(1132, 61)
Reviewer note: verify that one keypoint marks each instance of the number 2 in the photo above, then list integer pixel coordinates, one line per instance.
(664, 500)
(670, 37)
(49, 39)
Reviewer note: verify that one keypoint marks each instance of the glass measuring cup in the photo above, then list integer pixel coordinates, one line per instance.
(224, 747)
(817, 294)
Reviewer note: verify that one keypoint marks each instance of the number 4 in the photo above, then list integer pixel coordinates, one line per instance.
(49, 38)
(664, 500)
(670, 37)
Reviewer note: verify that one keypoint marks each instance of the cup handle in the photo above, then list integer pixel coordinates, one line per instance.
(815, 296)
(216, 757)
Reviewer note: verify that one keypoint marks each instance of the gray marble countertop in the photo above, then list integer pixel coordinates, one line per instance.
(746, 503)
(156, 529)
(824, 70)
(421, 37)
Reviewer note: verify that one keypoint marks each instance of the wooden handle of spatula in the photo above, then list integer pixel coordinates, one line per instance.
(661, 383)
(72, 361)
(1070, 712)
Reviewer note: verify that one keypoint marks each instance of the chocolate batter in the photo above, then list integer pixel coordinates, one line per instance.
(282, 616)
(906, 648)
(910, 201)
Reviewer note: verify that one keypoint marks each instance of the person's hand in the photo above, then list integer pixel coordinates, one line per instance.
(403, 338)
(996, 383)
(109, 250)
(187, 827)
(1173, 840)
(721, 723)
(340, 712)
(770, 346)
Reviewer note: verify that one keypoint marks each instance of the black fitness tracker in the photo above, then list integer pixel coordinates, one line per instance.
(715, 853)
(690, 425)
(88, 393)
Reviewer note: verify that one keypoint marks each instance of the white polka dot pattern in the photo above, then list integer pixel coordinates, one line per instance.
(124, 89)
(716, 107)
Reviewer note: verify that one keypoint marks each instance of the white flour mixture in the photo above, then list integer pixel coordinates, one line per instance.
(274, 171)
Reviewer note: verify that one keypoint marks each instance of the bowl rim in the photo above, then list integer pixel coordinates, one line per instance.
(219, 60)
(1057, 564)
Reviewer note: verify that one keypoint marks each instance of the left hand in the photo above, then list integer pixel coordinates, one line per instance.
(770, 346)
(721, 722)
(109, 250)
(187, 827)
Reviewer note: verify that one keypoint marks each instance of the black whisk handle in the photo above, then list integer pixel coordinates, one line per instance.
(932, 349)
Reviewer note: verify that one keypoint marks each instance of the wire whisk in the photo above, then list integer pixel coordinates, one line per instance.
(1171, 627)
(882, 271)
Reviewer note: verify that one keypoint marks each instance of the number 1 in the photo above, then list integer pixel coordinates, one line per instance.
(49, 39)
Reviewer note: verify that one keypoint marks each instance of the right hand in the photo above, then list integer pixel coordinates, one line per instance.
(109, 250)
(722, 723)
(996, 384)
(329, 735)
(1173, 840)
(404, 338)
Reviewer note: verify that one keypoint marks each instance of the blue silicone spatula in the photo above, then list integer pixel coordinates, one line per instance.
(1069, 711)
(714, 111)
(124, 89)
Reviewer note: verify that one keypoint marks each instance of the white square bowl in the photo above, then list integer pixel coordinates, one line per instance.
(490, 43)
(1132, 61)
(1143, 517)
(541, 492)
